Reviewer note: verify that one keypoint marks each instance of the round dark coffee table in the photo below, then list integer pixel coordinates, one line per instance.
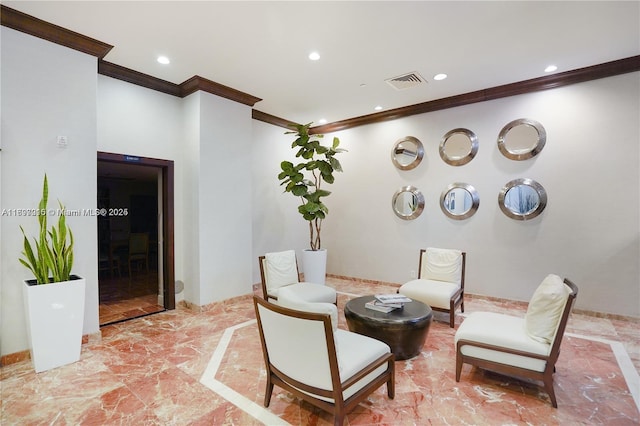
(404, 330)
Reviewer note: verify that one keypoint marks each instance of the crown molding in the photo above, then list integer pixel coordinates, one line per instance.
(182, 90)
(196, 83)
(134, 77)
(271, 119)
(580, 75)
(28, 24)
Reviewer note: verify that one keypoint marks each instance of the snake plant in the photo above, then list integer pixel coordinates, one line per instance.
(51, 257)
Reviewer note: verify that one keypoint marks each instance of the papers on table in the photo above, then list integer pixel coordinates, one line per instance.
(387, 302)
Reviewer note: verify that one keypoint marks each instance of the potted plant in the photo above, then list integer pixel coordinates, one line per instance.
(305, 180)
(54, 299)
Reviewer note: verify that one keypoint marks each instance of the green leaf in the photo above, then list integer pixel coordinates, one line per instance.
(335, 164)
(286, 166)
(324, 166)
(299, 190)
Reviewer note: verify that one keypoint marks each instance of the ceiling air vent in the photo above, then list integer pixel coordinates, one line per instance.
(406, 81)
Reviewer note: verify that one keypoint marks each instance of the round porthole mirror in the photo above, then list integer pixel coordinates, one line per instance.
(458, 147)
(459, 201)
(407, 153)
(407, 203)
(522, 199)
(522, 139)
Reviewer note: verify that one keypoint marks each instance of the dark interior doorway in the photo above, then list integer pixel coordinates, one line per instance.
(135, 237)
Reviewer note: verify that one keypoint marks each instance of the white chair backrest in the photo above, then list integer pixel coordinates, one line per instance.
(297, 347)
(546, 308)
(441, 265)
(280, 269)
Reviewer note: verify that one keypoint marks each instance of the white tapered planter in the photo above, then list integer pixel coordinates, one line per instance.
(55, 317)
(314, 264)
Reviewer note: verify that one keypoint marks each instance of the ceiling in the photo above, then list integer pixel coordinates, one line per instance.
(261, 48)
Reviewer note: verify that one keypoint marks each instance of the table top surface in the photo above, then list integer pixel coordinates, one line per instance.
(411, 312)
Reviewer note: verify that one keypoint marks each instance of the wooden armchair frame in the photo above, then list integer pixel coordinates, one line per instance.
(313, 395)
(546, 376)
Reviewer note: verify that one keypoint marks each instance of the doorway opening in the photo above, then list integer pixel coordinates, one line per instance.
(135, 237)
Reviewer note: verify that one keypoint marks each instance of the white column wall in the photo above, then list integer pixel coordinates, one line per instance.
(189, 250)
(589, 231)
(47, 90)
(224, 199)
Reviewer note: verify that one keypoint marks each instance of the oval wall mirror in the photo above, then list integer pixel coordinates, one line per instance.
(407, 153)
(522, 199)
(407, 202)
(459, 201)
(458, 147)
(522, 139)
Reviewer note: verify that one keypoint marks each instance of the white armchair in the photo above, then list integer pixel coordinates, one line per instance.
(307, 355)
(524, 347)
(280, 269)
(440, 282)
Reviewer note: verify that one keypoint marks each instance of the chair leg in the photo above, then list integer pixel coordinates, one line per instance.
(458, 367)
(452, 318)
(268, 392)
(548, 386)
(391, 383)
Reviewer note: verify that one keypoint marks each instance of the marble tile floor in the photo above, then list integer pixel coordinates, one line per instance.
(124, 297)
(183, 367)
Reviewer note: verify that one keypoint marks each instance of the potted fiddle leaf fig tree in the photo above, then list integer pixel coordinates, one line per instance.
(54, 298)
(305, 180)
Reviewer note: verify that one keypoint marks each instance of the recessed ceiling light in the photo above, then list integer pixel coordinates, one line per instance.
(314, 56)
(439, 76)
(163, 60)
(322, 121)
(378, 108)
(550, 68)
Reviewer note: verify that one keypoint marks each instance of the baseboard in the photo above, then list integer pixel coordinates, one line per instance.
(91, 339)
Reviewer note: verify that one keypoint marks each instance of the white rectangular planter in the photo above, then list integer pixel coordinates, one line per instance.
(55, 317)
(314, 265)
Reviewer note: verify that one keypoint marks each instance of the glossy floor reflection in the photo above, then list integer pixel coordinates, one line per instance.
(123, 297)
(187, 368)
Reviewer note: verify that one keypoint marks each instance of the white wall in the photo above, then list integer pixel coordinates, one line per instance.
(47, 90)
(589, 231)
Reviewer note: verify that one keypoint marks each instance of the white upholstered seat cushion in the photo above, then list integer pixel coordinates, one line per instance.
(504, 331)
(309, 292)
(433, 293)
(290, 298)
(353, 351)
